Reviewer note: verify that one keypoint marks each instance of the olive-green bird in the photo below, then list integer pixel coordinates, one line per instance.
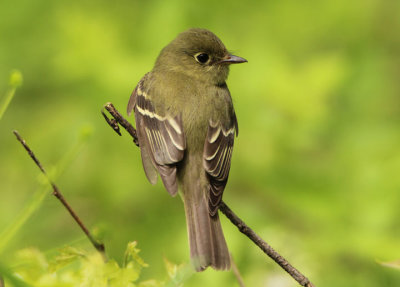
(186, 125)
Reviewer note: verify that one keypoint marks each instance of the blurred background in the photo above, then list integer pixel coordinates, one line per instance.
(315, 169)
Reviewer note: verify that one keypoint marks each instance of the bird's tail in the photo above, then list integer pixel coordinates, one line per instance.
(207, 242)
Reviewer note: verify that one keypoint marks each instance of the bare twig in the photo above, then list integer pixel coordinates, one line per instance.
(296, 275)
(119, 119)
(56, 192)
(264, 246)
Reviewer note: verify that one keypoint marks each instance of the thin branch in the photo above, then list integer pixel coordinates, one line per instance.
(119, 119)
(296, 275)
(264, 246)
(56, 192)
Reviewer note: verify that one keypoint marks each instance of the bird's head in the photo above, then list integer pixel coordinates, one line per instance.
(200, 54)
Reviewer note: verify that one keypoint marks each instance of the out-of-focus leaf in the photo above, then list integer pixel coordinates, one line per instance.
(177, 274)
(172, 268)
(8, 274)
(118, 276)
(111, 268)
(151, 283)
(31, 264)
(132, 254)
(93, 271)
(124, 276)
(66, 256)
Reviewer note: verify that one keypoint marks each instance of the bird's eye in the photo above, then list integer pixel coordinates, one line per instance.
(202, 58)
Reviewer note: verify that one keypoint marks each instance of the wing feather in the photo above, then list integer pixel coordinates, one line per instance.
(217, 160)
(161, 139)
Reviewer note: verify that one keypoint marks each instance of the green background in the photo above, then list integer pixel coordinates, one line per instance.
(315, 169)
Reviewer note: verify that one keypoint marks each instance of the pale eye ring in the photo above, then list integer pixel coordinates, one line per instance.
(202, 58)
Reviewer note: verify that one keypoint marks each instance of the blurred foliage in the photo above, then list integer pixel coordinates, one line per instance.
(72, 267)
(315, 167)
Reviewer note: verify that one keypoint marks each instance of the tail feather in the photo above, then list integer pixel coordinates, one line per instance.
(207, 243)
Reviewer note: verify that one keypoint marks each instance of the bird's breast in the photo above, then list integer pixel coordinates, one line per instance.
(198, 104)
(210, 104)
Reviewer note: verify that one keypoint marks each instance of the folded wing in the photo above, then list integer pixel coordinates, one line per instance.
(161, 139)
(217, 161)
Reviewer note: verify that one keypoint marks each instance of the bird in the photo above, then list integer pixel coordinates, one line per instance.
(186, 126)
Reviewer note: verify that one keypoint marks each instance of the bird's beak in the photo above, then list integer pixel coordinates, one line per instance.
(232, 59)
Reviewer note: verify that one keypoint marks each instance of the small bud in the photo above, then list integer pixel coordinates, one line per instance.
(15, 78)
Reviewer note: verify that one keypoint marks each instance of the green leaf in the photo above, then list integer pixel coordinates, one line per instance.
(177, 274)
(93, 271)
(67, 255)
(124, 276)
(84, 269)
(6, 273)
(132, 254)
(151, 283)
(32, 264)
(172, 269)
